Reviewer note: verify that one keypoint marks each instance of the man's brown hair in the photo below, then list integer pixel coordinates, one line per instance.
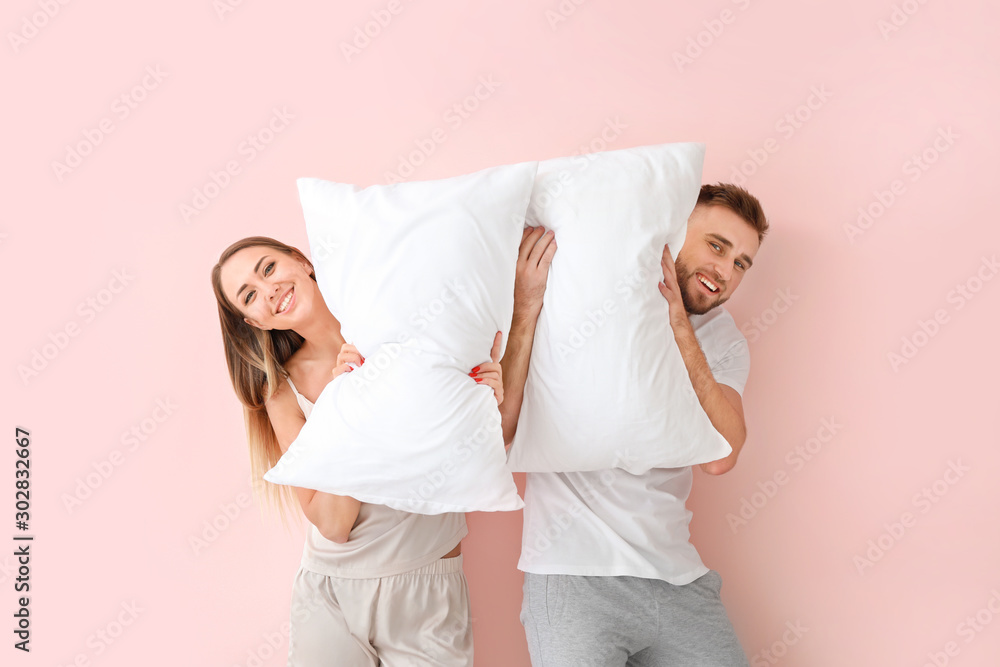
(737, 200)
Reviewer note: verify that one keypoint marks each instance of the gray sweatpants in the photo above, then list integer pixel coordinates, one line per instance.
(577, 621)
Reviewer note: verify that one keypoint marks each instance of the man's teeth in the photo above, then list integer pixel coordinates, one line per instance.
(707, 283)
(284, 302)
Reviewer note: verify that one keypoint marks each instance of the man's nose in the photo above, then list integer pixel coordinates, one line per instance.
(723, 271)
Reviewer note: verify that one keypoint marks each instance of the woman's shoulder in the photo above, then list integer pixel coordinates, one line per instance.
(283, 397)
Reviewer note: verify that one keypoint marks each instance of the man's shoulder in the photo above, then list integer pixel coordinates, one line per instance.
(717, 330)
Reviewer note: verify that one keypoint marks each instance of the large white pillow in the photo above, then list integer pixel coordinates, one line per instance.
(607, 386)
(421, 277)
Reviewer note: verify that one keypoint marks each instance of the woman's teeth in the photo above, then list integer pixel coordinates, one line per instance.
(284, 302)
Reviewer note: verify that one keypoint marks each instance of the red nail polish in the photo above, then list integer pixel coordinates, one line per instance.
(475, 369)
(478, 380)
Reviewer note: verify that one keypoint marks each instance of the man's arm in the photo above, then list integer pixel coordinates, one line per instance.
(534, 258)
(721, 403)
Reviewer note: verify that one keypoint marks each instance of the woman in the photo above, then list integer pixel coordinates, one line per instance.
(375, 584)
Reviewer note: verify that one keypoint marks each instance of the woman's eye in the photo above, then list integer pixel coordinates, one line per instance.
(268, 268)
(246, 299)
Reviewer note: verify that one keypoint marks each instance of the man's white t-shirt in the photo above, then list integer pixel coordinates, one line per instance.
(613, 523)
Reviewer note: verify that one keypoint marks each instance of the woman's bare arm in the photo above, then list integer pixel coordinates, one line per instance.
(333, 515)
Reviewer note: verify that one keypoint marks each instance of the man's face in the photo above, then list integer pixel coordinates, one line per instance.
(718, 251)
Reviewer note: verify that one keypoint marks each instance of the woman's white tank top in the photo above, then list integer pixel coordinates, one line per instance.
(384, 541)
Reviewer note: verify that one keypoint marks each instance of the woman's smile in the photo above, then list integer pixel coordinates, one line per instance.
(286, 302)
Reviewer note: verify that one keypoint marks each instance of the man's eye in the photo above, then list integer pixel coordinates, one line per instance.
(740, 264)
(716, 246)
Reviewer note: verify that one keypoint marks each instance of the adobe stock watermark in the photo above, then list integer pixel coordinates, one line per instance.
(105, 636)
(438, 644)
(594, 319)
(703, 40)
(246, 152)
(914, 167)
(454, 117)
(778, 649)
(213, 527)
(121, 108)
(958, 297)
(561, 12)
(923, 501)
(7, 569)
(783, 300)
(32, 25)
(366, 33)
(428, 488)
(60, 339)
(796, 459)
(582, 159)
(968, 629)
(275, 642)
(537, 542)
(786, 126)
(131, 440)
(224, 7)
(899, 16)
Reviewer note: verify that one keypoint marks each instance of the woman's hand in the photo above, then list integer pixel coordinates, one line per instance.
(348, 355)
(490, 373)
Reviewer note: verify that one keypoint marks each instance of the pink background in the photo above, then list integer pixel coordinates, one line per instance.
(830, 304)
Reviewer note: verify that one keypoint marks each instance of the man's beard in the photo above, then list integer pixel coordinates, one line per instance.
(691, 305)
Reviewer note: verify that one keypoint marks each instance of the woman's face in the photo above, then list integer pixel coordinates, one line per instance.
(271, 289)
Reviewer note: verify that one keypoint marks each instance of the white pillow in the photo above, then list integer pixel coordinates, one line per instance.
(421, 277)
(607, 386)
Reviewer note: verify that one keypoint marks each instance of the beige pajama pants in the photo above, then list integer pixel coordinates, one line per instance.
(418, 618)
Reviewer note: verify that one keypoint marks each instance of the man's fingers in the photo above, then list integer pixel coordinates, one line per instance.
(546, 259)
(528, 243)
(541, 246)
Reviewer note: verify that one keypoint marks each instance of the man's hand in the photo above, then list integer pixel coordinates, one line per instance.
(671, 290)
(533, 260)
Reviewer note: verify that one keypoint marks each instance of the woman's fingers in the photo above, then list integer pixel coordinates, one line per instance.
(350, 358)
(489, 366)
(340, 369)
(495, 352)
(493, 383)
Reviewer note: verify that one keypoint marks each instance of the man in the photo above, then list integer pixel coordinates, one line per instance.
(620, 583)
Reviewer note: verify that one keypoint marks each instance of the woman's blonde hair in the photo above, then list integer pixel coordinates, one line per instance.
(256, 361)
